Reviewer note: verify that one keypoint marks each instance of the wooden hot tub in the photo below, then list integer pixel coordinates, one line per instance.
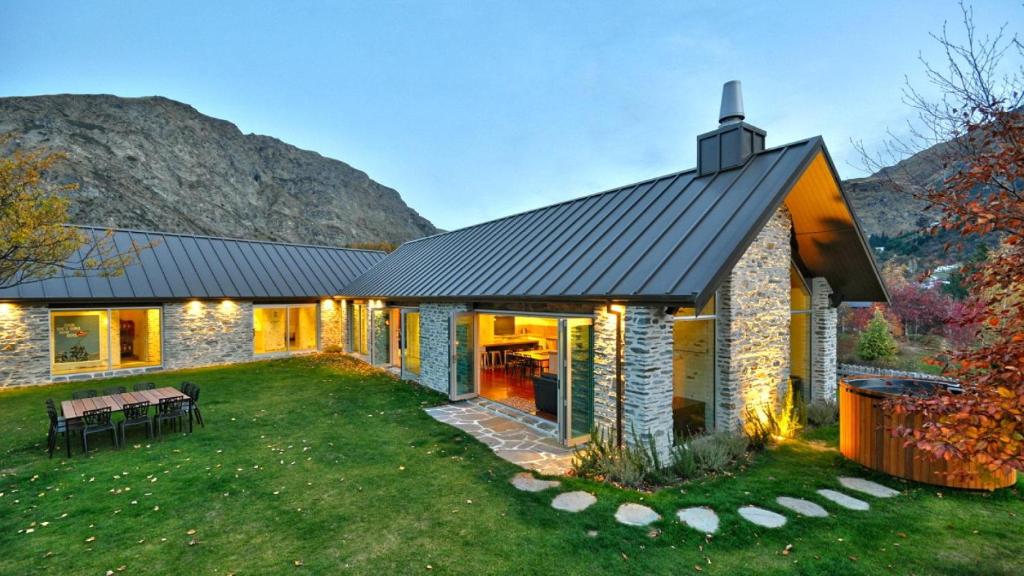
(865, 435)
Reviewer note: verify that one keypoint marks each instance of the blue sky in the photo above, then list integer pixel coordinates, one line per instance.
(477, 109)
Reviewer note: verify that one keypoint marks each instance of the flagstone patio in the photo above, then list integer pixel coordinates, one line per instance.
(510, 438)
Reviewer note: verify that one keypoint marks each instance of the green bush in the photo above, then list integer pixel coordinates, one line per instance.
(635, 465)
(716, 452)
(876, 342)
(764, 424)
(822, 413)
(684, 464)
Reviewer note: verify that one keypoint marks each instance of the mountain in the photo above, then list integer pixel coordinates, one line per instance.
(882, 201)
(157, 164)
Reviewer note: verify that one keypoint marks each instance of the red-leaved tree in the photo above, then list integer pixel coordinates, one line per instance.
(976, 129)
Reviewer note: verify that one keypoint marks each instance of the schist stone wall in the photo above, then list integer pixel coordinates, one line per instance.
(332, 324)
(823, 342)
(435, 351)
(199, 333)
(753, 326)
(605, 335)
(647, 370)
(24, 344)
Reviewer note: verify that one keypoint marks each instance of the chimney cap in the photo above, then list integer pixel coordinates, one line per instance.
(732, 103)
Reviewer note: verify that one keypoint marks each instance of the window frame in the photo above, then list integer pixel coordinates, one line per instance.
(287, 323)
(108, 310)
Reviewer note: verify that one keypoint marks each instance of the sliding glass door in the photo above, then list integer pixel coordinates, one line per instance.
(410, 342)
(381, 343)
(576, 379)
(463, 356)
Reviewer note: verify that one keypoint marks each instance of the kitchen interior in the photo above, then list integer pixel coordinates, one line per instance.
(518, 360)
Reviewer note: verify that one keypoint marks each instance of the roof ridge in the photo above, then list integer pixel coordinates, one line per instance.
(603, 192)
(229, 238)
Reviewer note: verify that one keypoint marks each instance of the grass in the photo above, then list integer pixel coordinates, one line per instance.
(327, 463)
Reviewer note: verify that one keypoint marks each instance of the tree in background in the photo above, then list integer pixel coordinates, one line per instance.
(876, 342)
(978, 127)
(35, 241)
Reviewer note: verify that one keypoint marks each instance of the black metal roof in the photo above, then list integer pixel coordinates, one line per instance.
(182, 266)
(671, 239)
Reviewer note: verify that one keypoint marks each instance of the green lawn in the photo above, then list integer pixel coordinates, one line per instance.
(323, 461)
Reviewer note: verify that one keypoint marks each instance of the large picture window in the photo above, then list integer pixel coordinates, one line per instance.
(106, 339)
(693, 371)
(285, 328)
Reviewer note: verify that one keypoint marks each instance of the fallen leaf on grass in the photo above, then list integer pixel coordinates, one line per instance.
(90, 539)
(298, 563)
(785, 551)
(191, 532)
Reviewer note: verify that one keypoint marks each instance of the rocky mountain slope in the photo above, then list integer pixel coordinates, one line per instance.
(883, 208)
(158, 164)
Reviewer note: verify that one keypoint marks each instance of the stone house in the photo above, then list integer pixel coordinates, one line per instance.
(187, 301)
(652, 311)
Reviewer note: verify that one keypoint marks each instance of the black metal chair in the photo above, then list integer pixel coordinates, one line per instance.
(144, 386)
(111, 390)
(58, 425)
(135, 414)
(192, 391)
(94, 421)
(79, 394)
(170, 409)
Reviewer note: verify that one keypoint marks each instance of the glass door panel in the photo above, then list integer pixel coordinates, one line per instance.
(576, 378)
(410, 343)
(463, 356)
(381, 338)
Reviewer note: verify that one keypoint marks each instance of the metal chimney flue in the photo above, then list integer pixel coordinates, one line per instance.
(732, 103)
(734, 142)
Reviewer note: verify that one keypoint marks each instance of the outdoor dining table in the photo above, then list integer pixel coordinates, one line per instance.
(74, 409)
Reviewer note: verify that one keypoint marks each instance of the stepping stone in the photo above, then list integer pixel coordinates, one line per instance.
(762, 517)
(802, 507)
(843, 500)
(573, 501)
(700, 518)
(527, 483)
(636, 515)
(868, 487)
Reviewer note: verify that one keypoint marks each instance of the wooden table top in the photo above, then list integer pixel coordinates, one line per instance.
(75, 408)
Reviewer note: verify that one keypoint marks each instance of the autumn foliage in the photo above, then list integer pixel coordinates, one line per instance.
(984, 195)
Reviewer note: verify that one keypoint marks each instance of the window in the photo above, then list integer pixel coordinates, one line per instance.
(358, 340)
(693, 371)
(799, 334)
(282, 329)
(107, 339)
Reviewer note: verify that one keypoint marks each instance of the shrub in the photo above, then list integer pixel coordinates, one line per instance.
(764, 424)
(876, 342)
(633, 465)
(822, 413)
(716, 452)
(683, 462)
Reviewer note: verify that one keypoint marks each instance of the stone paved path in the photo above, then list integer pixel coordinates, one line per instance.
(508, 438)
(636, 515)
(868, 487)
(700, 518)
(848, 502)
(573, 501)
(802, 507)
(762, 517)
